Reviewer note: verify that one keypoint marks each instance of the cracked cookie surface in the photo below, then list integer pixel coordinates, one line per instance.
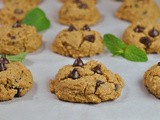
(86, 83)
(152, 80)
(79, 14)
(15, 81)
(18, 38)
(145, 35)
(135, 10)
(78, 42)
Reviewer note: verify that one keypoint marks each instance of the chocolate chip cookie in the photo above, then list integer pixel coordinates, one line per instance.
(75, 42)
(18, 38)
(15, 79)
(145, 35)
(78, 14)
(134, 10)
(91, 82)
(152, 80)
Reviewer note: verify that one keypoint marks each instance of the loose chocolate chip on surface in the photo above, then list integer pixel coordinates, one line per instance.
(86, 27)
(78, 62)
(16, 25)
(139, 29)
(74, 74)
(153, 33)
(90, 38)
(83, 6)
(146, 41)
(97, 69)
(72, 28)
(158, 63)
(98, 83)
(18, 11)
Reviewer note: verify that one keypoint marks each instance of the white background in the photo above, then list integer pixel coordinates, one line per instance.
(135, 102)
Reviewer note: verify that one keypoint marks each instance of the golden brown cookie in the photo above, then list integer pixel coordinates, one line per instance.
(78, 14)
(18, 38)
(135, 10)
(14, 12)
(145, 35)
(78, 42)
(15, 79)
(35, 2)
(86, 83)
(152, 80)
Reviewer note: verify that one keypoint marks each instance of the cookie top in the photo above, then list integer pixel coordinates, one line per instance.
(145, 35)
(86, 83)
(15, 79)
(35, 2)
(14, 11)
(78, 14)
(135, 10)
(89, 2)
(75, 42)
(18, 38)
(152, 80)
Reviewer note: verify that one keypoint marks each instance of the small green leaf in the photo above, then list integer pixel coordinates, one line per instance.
(16, 58)
(133, 53)
(37, 18)
(114, 44)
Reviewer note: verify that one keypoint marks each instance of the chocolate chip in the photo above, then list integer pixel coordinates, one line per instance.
(146, 41)
(18, 11)
(116, 87)
(77, 1)
(3, 61)
(2, 67)
(18, 94)
(153, 33)
(16, 25)
(97, 69)
(78, 62)
(74, 74)
(72, 28)
(98, 83)
(11, 36)
(83, 6)
(158, 63)
(90, 38)
(86, 27)
(139, 29)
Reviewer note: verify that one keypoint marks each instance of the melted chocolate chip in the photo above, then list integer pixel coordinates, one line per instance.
(139, 29)
(18, 11)
(97, 69)
(146, 41)
(78, 62)
(74, 74)
(18, 94)
(90, 38)
(83, 6)
(153, 33)
(16, 25)
(158, 63)
(116, 87)
(98, 83)
(86, 27)
(72, 28)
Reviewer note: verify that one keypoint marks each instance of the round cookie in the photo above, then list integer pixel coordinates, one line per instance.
(145, 35)
(89, 2)
(18, 38)
(36, 2)
(78, 42)
(152, 80)
(15, 79)
(86, 83)
(78, 14)
(134, 10)
(13, 12)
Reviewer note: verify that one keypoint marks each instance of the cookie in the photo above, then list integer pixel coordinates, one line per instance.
(18, 38)
(152, 80)
(78, 14)
(78, 42)
(35, 2)
(14, 12)
(89, 2)
(135, 10)
(15, 79)
(86, 83)
(145, 35)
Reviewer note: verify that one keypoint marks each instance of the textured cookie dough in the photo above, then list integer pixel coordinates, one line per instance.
(78, 14)
(35, 2)
(145, 35)
(134, 10)
(14, 12)
(86, 83)
(18, 38)
(78, 42)
(15, 80)
(152, 80)
(89, 2)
